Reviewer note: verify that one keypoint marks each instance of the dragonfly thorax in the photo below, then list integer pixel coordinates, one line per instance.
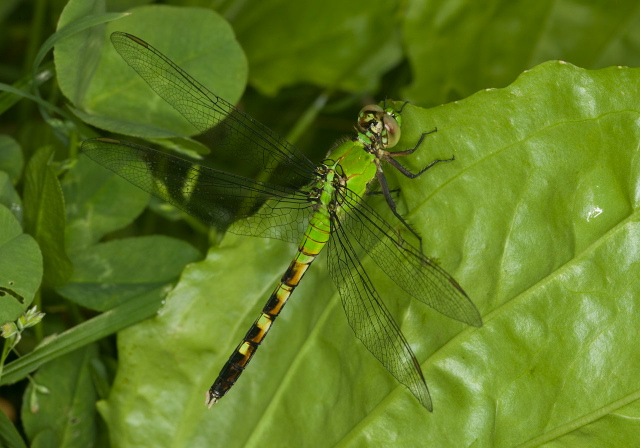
(330, 178)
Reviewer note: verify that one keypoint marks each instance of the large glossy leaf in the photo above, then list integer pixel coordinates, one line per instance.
(216, 300)
(536, 218)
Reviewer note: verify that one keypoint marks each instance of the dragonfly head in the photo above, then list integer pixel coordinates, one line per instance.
(379, 125)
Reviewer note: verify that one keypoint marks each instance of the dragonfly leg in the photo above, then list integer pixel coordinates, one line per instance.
(408, 173)
(376, 193)
(398, 111)
(382, 180)
(412, 150)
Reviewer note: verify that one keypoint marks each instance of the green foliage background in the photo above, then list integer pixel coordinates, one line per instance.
(536, 218)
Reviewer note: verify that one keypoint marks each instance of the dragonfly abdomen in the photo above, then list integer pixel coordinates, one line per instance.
(315, 238)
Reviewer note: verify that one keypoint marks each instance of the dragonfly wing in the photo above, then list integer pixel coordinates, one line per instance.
(412, 271)
(225, 127)
(216, 198)
(369, 318)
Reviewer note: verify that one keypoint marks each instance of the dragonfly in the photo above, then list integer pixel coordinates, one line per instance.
(299, 202)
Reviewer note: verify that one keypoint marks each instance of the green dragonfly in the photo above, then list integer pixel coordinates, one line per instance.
(301, 203)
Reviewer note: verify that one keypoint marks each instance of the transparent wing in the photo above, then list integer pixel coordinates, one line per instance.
(369, 318)
(225, 127)
(216, 198)
(412, 271)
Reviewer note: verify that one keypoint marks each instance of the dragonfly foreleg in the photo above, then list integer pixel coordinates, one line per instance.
(384, 185)
(406, 152)
(399, 112)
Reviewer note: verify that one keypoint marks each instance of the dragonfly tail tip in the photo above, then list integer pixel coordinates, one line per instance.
(210, 399)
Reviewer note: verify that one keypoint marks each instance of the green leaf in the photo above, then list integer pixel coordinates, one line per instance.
(92, 207)
(334, 44)
(14, 94)
(9, 197)
(81, 24)
(20, 268)
(9, 435)
(474, 45)
(94, 329)
(536, 218)
(65, 416)
(107, 93)
(543, 196)
(237, 279)
(109, 274)
(11, 160)
(44, 216)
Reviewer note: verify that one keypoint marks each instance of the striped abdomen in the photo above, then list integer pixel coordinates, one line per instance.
(316, 236)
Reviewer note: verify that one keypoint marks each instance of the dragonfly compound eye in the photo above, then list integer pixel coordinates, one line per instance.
(391, 132)
(369, 118)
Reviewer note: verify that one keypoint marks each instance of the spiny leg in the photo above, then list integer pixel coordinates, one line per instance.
(408, 173)
(376, 193)
(382, 180)
(398, 111)
(406, 152)
(416, 274)
(402, 108)
(388, 156)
